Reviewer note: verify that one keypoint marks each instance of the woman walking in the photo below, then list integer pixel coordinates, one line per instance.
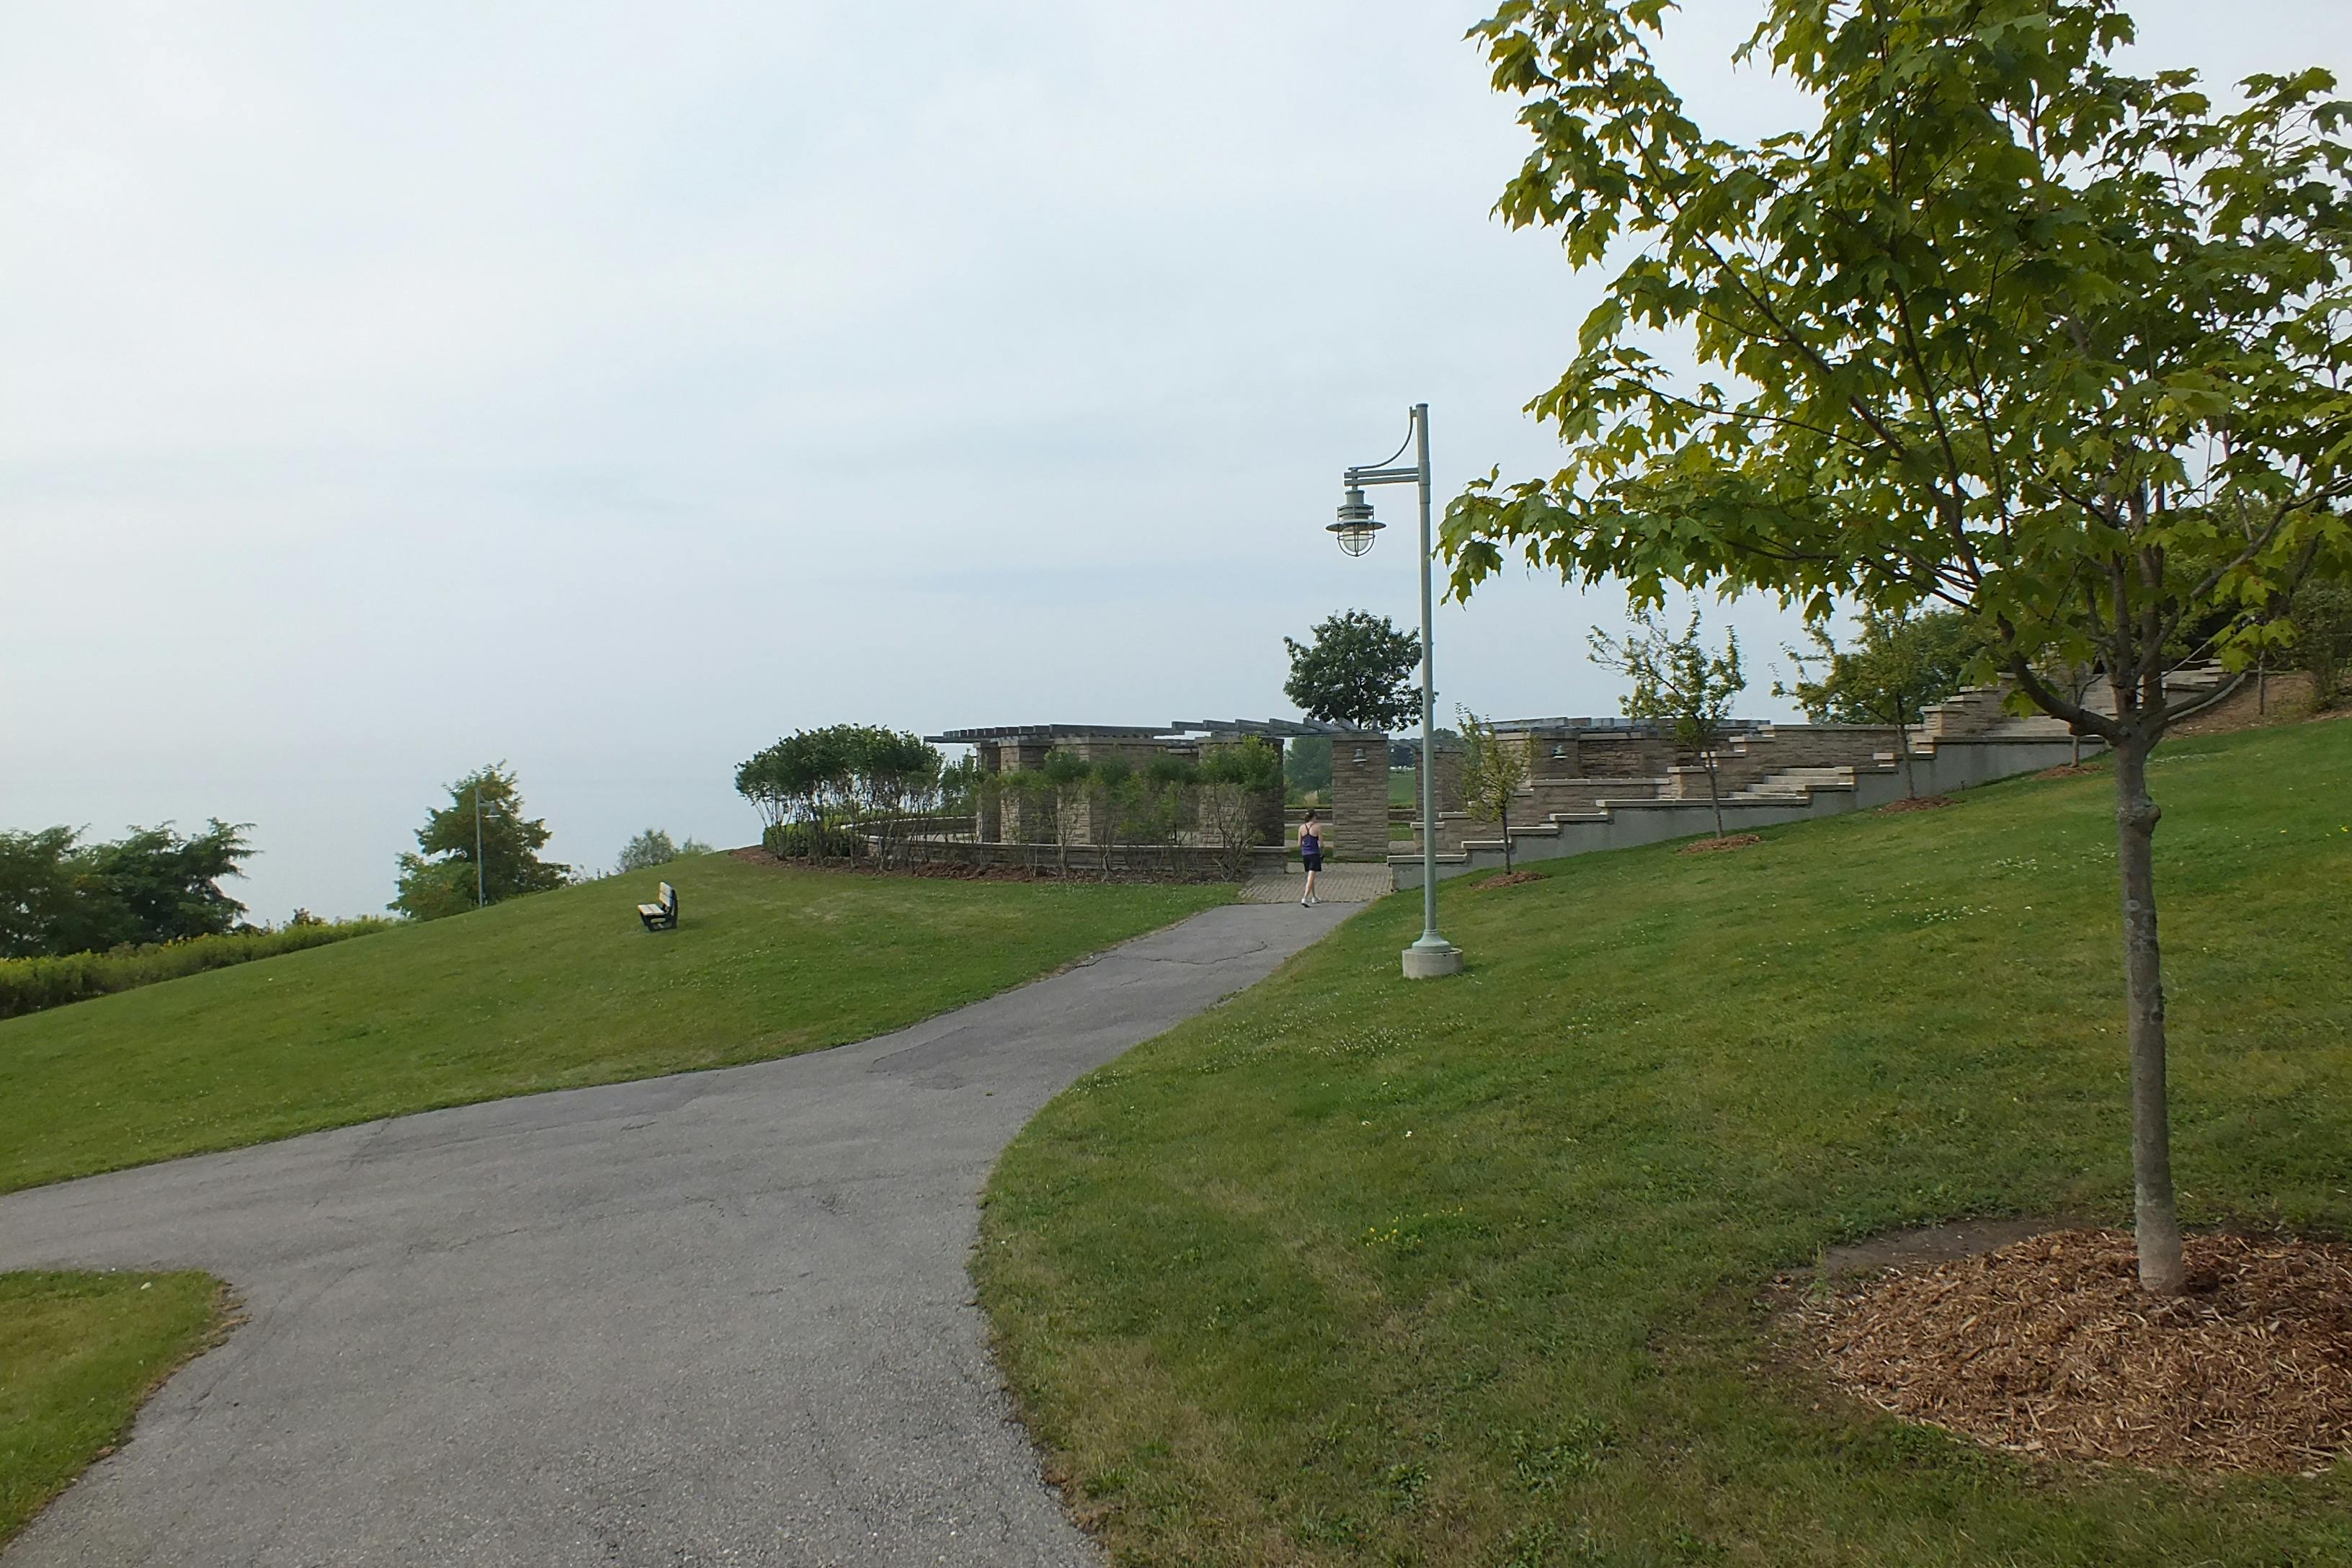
(1310, 853)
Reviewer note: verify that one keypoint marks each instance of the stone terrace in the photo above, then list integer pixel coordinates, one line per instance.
(1605, 784)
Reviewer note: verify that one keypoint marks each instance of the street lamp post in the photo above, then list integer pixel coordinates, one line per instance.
(1357, 529)
(481, 887)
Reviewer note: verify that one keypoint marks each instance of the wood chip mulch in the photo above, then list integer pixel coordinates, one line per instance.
(1915, 802)
(2047, 1347)
(1511, 879)
(1710, 846)
(2066, 770)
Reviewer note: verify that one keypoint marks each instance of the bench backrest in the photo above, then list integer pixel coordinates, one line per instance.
(669, 898)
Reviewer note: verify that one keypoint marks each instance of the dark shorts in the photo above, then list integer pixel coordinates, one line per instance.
(1313, 862)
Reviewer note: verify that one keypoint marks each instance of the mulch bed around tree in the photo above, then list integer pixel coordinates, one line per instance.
(2066, 770)
(2048, 1347)
(1917, 803)
(1710, 845)
(1511, 879)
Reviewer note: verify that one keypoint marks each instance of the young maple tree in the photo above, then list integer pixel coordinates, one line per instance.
(1679, 682)
(1900, 662)
(2004, 327)
(1494, 771)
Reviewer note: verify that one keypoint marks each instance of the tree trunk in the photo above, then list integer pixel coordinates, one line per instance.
(2156, 1219)
(1903, 749)
(1506, 838)
(1713, 799)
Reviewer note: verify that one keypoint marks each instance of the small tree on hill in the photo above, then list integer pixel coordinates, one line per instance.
(1996, 324)
(654, 848)
(1170, 786)
(1494, 771)
(1066, 776)
(1358, 671)
(1679, 683)
(1903, 661)
(1234, 780)
(446, 877)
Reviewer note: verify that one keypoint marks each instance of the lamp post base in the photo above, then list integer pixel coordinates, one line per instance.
(1432, 960)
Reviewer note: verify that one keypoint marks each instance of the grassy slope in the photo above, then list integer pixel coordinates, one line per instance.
(1472, 1272)
(544, 993)
(81, 1351)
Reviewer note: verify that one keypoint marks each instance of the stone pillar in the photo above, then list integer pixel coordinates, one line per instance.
(1272, 821)
(987, 825)
(1449, 779)
(1025, 819)
(1360, 797)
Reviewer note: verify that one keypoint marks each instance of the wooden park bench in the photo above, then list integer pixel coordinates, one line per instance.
(662, 916)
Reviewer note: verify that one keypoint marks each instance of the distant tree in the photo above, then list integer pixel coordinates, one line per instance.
(39, 890)
(1169, 801)
(1677, 682)
(1114, 792)
(1233, 783)
(1358, 671)
(837, 783)
(893, 776)
(168, 887)
(1066, 775)
(443, 879)
(1902, 661)
(654, 848)
(1494, 771)
(651, 847)
(58, 895)
(1306, 766)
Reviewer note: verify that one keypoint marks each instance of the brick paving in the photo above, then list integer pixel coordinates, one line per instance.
(1351, 883)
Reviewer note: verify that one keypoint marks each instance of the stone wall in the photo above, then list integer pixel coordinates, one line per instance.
(1959, 763)
(1022, 819)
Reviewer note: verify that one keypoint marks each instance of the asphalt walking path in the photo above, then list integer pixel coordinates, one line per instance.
(720, 1318)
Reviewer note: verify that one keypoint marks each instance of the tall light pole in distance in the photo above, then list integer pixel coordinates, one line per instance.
(1356, 531)
(481, 893)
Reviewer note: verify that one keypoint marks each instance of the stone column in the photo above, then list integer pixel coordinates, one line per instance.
(988, 822)
(1272, 820)
(1024, 821)
(1360, 797)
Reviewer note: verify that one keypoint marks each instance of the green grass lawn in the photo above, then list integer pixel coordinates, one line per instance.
(1478, 1271)
(79, 1353)
(560, 989)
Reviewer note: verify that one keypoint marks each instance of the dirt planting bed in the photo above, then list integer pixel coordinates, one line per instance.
(1917, 803)
(1713, 846)
(2048, 1347)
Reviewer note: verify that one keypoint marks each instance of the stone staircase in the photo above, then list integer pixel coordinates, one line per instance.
(1775, 773)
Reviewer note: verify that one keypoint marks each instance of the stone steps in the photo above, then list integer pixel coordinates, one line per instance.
(1988, 742)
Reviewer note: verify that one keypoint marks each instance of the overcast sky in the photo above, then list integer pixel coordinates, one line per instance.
(609, 389)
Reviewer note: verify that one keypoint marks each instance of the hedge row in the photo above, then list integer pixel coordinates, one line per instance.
(30, 985)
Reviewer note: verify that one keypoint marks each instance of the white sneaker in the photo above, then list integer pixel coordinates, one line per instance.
(1304, 903)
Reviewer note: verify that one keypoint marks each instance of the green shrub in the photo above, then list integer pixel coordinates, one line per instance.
(2322, 619)
(812, 841)
(30, 985)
